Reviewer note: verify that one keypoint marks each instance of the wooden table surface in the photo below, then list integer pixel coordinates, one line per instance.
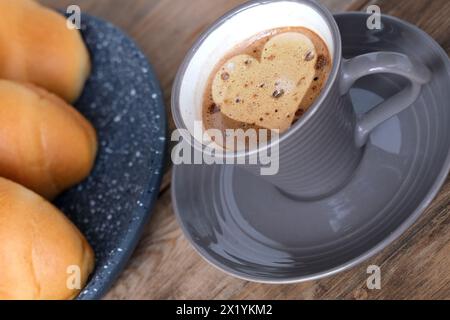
(164, 266)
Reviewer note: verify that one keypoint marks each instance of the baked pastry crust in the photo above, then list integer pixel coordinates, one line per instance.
(45, 144)
(37, 46)
(39, 248)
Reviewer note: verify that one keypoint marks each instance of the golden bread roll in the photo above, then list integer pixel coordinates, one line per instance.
(39, 248)
(36, 46)
(45, 144)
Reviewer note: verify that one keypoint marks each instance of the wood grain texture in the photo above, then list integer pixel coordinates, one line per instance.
(165, 266)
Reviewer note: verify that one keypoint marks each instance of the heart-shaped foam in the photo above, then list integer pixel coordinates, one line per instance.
(268, 92)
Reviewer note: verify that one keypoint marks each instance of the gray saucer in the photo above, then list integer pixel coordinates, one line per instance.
(245, 227)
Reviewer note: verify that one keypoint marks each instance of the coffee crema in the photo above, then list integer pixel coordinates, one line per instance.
(270, 91)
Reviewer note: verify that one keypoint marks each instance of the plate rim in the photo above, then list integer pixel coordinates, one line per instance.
(146, 210)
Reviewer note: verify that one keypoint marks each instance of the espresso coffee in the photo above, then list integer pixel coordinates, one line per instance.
(269, 81)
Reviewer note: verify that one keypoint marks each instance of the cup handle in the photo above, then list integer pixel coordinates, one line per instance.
(384, 62)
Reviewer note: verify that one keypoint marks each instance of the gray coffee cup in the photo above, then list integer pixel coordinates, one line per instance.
(318, 154)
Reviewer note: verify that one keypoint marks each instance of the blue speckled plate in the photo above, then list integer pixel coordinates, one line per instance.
(123, 100)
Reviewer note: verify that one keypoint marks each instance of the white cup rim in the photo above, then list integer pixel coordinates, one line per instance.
(337, 58)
